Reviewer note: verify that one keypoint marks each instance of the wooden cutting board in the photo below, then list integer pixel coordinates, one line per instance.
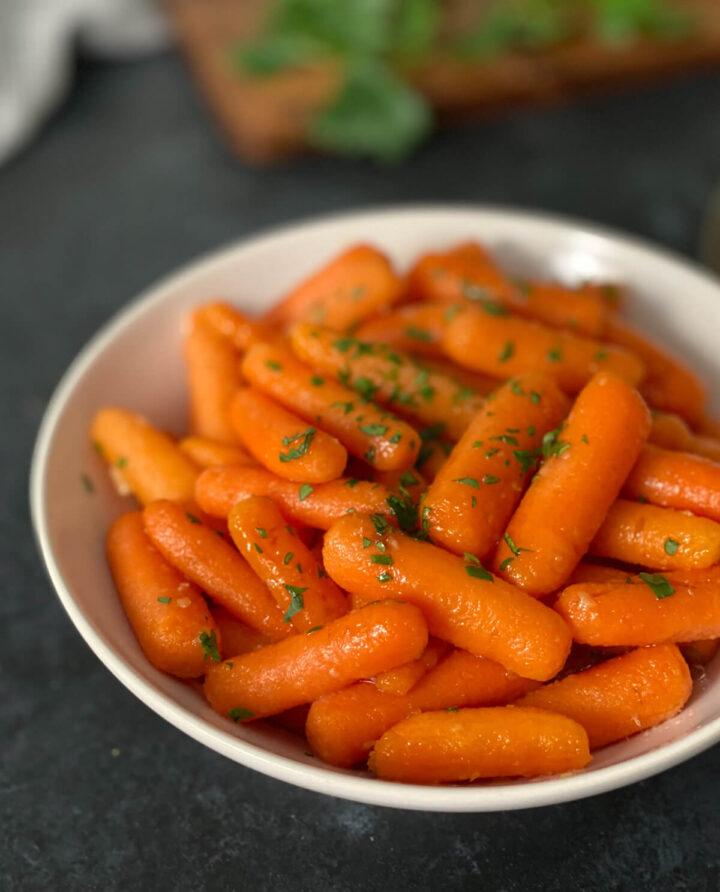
(264, 119)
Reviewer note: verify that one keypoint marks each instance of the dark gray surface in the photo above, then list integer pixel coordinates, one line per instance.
(97, 791)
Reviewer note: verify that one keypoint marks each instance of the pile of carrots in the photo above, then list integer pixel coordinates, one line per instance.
(450, 524)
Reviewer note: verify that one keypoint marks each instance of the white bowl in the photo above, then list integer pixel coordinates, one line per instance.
(135, 361)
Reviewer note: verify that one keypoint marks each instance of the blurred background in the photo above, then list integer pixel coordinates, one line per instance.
(134, 136)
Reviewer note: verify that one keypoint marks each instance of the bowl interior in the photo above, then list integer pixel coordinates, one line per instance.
(135, 362)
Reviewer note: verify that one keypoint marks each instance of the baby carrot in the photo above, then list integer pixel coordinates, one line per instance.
(213, 378)
(414, 328)
(656, 537)
(304, 592)
(676, 480)
(401, 679)
(343, 726)
(213, 564)
(587, 462)
(218, 489)
(651, 609)
(475, 492)
(235, 635)
(501, 741)
(366, 431)
(621, 696)
(670, 385)
(462, 602)
(385, 376)
(467, 273)
(211, 453)
(670, 431)
(233, 325)
(304, 667)
(355, 285)
(283, 442)
(142, 460)
(168, 614)
(511, 346)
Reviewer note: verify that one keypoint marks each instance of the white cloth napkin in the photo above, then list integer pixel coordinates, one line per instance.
(37, 41)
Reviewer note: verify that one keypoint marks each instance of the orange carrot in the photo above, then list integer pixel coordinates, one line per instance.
(342, 727)
(213, 564)
(467, 273)
(211, 453)
(366, 431)
(304, 667)
(218, 489)
(501, 741)
(676, 480)
(304, 592)
(401, 679)
(670, 385)
(355, 285)
(283, 442)
(236, 636)
(588, 461)
(620, 696)
(237, 328)
(656, 537)
(168, 614)
(393, 379)
(699, 653)
(511, 346)
(142, 460)
(414, 328)
(652, 609)
(213, 378)
(462, 602)
(433, 453)
(670, 431)
(475, 492)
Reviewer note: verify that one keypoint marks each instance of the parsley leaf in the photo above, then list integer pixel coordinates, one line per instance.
(304, 491)
(209, 645)
(671, 546)
(661, 588)
(405, 511)
(468, 481)
(296, 601)
(239, 714)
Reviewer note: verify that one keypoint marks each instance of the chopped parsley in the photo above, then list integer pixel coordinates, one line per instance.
(366, 542)
(671, 546)
(468, 481)
(526, 459)
(506, 563)
(505, 438)
(296, 601)
(314, 629)
(346, 407)
(551, 445)
(261, 532)
(512, 546)
(165, 599)
(404, 510)
(381, 525)
(661, 588)
(506, 352)
(289, 555)
(479, 573)
(121, 462)
(191, 517)
(317, 381)
(490, 479)
(385, 559)
(419, 334)
(374, 430)
(304, 491)
(385, 577)
(209, 645)
(275, 366)
(239, 714)
(305, 438)
(535, 397)
(554, 355)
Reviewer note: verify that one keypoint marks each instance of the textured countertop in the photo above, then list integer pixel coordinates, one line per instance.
(97, 792)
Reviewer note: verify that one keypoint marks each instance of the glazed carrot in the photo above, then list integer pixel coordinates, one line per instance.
(355, 285)
(414, 328)
(676, 480)
(670, 385)
(401, 679)
(463, 603)
(211, 453)
(511, 346)
(213, 564)
(650, 610)
(342, 727)
(366, 431)
(235, 635)
(283, 442)
(237, 328)
(656, 537)
(306, 595)
(699, 653)
(588, 461)
(304, 667)
(468, 274)
(475, 492)
(213, 378)
(388, 377)
(142, 460)
(168, 614)
(620, 696)
(501, 741)
(218, 489)
(588, 572)
(670, 431)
